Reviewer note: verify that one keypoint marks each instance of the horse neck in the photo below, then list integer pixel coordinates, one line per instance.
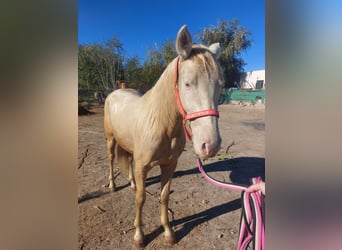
(161, 99)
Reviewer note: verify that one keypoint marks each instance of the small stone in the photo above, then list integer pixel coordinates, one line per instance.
(220, 236)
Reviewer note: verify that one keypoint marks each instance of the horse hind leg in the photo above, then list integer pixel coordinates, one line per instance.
(131, 173)
(111, 156)
(111, 142)
(125, 160)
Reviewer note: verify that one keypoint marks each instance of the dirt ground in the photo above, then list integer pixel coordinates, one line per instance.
(202, 215)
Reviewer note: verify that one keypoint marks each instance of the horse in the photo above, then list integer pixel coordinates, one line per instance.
(150, 130)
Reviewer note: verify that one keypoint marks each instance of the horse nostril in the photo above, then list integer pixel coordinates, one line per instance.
(206, 148)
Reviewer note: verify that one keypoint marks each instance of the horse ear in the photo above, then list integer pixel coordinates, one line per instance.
(184, 42)
(215, 49)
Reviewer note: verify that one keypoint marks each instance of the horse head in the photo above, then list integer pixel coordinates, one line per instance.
(197, 86)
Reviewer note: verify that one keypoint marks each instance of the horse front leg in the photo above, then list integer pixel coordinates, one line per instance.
(166, 177)
(140, 197)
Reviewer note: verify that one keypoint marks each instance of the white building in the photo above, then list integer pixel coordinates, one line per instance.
(253, 80)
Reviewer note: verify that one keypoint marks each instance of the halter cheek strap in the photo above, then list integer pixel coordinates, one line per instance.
(191, 116)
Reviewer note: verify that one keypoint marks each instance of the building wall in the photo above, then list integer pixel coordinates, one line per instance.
(249, 79)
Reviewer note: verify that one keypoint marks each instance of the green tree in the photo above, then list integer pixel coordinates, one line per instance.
(86, 74)
(168, 51)
(153, 67)
(133, 72)
(233, 39)
(100, 65)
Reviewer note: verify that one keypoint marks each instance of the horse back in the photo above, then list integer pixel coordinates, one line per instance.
(120, 116)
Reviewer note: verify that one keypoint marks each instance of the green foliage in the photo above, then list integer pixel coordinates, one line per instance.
(168, 51)
(153, 67)
(133, 72)
(85, 65)
(143, 77)
(233, 39)
(100, 65)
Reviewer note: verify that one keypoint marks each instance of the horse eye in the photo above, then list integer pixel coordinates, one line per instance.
(187, 85)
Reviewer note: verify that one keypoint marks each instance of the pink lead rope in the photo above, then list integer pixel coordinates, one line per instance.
(252, 227)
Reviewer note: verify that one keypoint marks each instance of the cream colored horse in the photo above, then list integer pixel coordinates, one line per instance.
(149, 127)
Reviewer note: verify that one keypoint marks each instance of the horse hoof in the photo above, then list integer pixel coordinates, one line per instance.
(171, 239)
(112, 188)
(139, 239)
(133, 188)
(139, 244)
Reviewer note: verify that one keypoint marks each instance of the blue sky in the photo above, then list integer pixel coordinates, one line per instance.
(141, 24)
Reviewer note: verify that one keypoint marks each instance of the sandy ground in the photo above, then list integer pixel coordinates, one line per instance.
(202, 215)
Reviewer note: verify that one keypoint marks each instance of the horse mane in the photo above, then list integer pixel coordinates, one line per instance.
(159, 103)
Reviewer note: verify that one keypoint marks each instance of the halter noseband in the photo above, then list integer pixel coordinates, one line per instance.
(194, 115)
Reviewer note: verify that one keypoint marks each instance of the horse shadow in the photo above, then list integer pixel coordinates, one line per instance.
(240, 171)
(99, 193)
(190, 222)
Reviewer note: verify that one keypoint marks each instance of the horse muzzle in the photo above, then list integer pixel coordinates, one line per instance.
(206, 148)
